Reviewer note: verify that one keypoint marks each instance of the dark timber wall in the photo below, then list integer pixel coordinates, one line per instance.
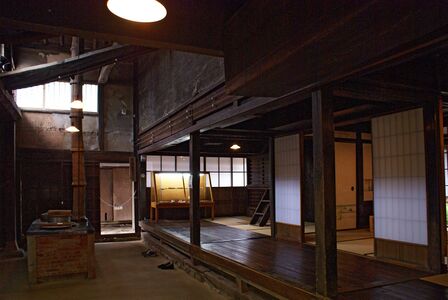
(45, 183)
(169, 78)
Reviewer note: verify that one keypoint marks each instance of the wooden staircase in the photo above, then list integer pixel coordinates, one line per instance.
(263, 211)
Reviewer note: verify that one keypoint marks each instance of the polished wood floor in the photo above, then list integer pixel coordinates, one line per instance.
(294, 263)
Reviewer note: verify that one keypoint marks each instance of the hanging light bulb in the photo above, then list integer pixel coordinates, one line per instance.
(235, 147)
(72, 129)
(77, 104)
(144, 11)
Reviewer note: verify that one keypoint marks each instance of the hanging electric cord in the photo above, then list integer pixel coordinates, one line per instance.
(122, 204)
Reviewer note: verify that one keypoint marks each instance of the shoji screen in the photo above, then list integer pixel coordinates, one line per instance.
(287, 180)
(399, 177)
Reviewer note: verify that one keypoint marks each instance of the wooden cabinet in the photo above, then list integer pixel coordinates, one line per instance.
(172, 190)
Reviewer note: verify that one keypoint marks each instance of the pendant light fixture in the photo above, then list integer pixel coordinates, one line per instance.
(77, 104)
(72, 129)
(235, 147)
(143, 11)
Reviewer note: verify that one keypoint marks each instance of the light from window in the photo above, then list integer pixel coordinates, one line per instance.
(56, 96)
(32, 97)
(224, 171)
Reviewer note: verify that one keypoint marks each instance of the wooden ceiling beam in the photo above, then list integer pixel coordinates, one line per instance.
(296, 47)
(344, 117)
(44, 73)
(23, 37)
(383, 92)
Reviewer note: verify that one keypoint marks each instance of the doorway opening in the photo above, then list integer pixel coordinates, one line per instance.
(116, 198)
(354, 227)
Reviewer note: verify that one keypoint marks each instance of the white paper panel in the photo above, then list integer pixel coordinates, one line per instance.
(238, 164)
(225, 164)
(225, 179)
(183, 164)
(168, 163)
(153, 163)
(287, 180)
(238, 179)
(211, 164)
(399, 177)
(215, 179)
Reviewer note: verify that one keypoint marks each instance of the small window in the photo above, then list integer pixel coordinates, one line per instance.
(56, 96)
(224, 171)
(32, 97)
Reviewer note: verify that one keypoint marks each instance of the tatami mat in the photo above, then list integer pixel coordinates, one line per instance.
(242, 222)
(441, 279)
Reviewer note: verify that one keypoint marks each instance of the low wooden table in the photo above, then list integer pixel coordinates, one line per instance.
(58, 253)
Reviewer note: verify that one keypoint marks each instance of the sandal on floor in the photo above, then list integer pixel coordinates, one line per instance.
(166, 266)
(149, 253)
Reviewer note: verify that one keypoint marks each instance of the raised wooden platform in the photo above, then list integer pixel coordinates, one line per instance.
(284, 268)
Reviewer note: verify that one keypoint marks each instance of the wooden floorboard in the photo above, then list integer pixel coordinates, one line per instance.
(411, 290)
(292, 262)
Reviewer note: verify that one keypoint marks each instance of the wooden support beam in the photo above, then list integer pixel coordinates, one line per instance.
(435, 184)
(195, 213)
(79, 64)
(8, 104)
(241, 285)
(324, 193)
(78, 165)
(141, 202)
(272, 185)
(8, 186)
(384, 92)
(359, 180)
(101, 117)
(103, 78)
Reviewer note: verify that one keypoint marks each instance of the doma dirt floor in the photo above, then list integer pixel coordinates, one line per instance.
(122, 273)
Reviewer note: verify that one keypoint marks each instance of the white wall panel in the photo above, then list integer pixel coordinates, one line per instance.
(287, 180)
(399, 177)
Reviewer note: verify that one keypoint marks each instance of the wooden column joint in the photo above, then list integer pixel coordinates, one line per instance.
(324, 193)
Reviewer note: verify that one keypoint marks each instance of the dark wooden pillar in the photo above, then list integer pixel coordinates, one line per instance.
(8, 189)
(140, 200)
(360, 219)
(324, 193)
(435, 184)
(272, 185)
(78, 164)
(195, 217)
